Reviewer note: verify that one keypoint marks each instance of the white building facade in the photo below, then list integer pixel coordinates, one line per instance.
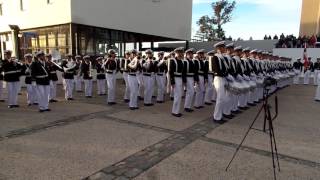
(91, 26)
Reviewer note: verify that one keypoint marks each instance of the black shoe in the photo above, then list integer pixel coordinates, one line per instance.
(171, 98)
(140, 98)
(19, 93)
(35, 104)
(213, 101)
(177, 115)
(79, 91)
(29, 104)
(10, 106)
(88, 96)
(219, 121)
(47, 110)
(154, 96)
(317, 100)
(188, 109)
(133, 108)
(2, 100)
(51, 101)
(148, 104)
(41, 110)
(70, 99)
(15, 106)
(160, 102)
(256, 102)
(243, 108)
(111, 103)
(126, 100)
(251, 104)
(236, 112)
(207, 103)
(228, 116)
(201, 107)
(197, 107)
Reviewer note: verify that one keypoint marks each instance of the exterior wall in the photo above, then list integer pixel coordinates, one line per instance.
(166, 18)
(296, 53)
(310, 17)
(36, 13)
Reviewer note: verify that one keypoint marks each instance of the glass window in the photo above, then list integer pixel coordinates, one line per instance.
(51, 40)
(62, 40)
(42, 41)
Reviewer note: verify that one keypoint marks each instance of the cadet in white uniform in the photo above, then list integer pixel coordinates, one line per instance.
(133, 67)
(148, 69)
(11, 71)
(111, 67)
(190, 79)
(176, 75)
(161, 70)
(86, 74)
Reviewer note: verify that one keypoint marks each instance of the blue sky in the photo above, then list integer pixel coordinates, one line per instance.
(255, 18)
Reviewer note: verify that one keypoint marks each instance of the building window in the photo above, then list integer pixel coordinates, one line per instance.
(49, 1)
(0, 9)
(21, 5)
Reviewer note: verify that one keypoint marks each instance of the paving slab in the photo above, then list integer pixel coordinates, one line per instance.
(205, 161)
(73, 151)
(297, 127)
(160, 115)
(26, 117)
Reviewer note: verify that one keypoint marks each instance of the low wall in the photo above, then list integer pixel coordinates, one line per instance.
(296, 53)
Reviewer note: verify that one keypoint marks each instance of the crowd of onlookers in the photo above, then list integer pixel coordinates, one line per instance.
(290, 41)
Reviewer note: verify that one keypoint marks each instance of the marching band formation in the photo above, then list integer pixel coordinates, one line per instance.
(230, 76)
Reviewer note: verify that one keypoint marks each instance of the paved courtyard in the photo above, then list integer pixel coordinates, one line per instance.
(87, 139)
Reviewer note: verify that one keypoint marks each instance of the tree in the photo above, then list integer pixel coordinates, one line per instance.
(222, 14)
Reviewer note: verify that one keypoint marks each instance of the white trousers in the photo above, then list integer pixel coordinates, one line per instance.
(101, 86)
(1, 90)
(126, 91)
(189, 93)
(111, 82)
(13, 88)
(53, 90)
(69, 85)
(140, 83)
(306, 77)
(177, 92)
(316, 77)
(43, 96)
(134, 88)
(209, 94)
(78, 83)
(296, 77)
(161, 85)
(148, 89)
(200, 90)
(31, 94)
(88, 87)
(219, 83)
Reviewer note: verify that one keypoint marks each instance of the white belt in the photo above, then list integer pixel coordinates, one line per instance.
(53, 72)
(177, 74)
(44, 76)
(100, 73)
(11, 72)
(190, 74)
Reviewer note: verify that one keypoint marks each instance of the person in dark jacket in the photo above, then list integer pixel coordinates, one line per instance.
(148, 69)
(53, 68)
(111, 67)
(101, 77)
(69, 67)
(29, 81)
(40, 72)
(86, 74)
(11, 71)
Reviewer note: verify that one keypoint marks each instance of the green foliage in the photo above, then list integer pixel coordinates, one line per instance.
(212, 26)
